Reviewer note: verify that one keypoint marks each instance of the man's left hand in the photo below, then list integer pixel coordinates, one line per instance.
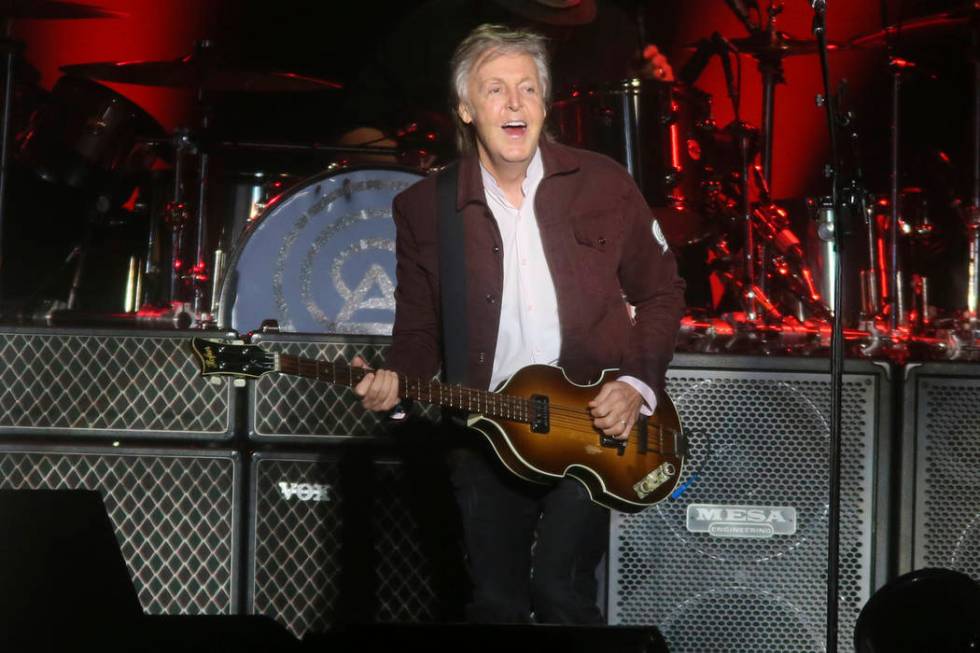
(615, 409)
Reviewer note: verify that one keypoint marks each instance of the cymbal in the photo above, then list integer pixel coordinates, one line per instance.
(191, 72)
(933, 25)
(783, 45)
(52, 10)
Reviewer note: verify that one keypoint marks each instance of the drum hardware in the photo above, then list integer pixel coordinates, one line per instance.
(202, 72)
(176, 316)
(973, 219)
(768, 46)
(929, 27)
(219, 270)
(658, 131)
(10, 48)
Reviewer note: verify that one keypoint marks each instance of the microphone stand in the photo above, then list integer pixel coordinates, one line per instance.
(837, 338)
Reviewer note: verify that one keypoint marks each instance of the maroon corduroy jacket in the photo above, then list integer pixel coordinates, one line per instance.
(598, 238)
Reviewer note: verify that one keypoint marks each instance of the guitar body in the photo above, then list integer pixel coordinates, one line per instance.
(538, 423)
(573, 447)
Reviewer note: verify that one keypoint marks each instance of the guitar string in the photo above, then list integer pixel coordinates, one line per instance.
(568, 417)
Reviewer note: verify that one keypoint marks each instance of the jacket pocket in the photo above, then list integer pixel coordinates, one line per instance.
(593, 229)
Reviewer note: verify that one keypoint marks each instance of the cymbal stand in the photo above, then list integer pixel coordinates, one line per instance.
(176, 214)
(199, 271)
(752, 271)
(10, 49)
(973, 218)
(898, 313)
(199, 274)
(771, 68)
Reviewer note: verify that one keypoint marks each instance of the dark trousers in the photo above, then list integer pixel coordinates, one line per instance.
(531, 549)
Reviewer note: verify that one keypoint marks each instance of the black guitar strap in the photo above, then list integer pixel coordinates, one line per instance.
(452, 277)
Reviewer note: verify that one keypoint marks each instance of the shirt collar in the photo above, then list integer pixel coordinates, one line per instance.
(533, 177)
(555, 160)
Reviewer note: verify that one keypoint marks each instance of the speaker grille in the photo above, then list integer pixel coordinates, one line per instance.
(353, 555)
(108, 385)
(292, 408)
(758, 438)
(173, 515)
(947, 531)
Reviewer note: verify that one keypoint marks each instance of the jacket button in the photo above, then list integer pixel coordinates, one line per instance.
(602, 241)
(496, 249)
(490, 298)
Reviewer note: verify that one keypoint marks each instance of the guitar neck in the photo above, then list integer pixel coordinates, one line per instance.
(484, 402)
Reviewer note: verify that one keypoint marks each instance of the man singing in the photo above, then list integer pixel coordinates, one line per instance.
(556, 242)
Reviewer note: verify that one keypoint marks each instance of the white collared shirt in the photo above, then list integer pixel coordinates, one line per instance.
(529, 332)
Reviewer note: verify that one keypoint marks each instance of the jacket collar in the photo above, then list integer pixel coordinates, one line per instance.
(557, 160)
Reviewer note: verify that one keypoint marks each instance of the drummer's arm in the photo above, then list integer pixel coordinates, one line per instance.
(655, 64)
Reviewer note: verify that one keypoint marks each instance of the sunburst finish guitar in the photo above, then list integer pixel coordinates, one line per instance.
(538, 423)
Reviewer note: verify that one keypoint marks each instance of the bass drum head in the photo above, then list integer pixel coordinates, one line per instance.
(320, 258)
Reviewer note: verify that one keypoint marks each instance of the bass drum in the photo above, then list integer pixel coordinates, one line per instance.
(320, 258)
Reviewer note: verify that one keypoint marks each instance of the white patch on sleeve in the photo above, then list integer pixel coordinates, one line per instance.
(659, 235)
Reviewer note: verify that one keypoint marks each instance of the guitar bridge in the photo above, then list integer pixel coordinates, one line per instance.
(649, 483)
(540, 421)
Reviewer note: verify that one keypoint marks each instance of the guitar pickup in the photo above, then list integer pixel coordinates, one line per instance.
(540, 420)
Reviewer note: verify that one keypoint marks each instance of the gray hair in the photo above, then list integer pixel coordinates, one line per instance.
(484, 40)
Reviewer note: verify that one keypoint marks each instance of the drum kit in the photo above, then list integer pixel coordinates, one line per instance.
(224, 240)
(772, 262)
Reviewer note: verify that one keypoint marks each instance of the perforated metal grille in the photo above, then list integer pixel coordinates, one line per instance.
(757, 439)
(947, 530)
(173, 515)
(108, 385)
(288, 408)
(355, 555)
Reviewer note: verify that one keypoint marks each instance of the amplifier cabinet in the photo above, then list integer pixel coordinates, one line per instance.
(110, 384)
(286, 408)
(352, 535)
(738, 561)
(940, 519)
(175, 514)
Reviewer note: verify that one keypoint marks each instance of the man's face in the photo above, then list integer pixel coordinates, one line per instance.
(506, 107)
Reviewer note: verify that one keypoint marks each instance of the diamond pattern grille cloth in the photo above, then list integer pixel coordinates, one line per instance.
(768, 437)
(286, 408)
(357, 551)
(108, 385)
(172, 515)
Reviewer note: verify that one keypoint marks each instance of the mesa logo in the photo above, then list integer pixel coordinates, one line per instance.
(741, 521)
(304, 491)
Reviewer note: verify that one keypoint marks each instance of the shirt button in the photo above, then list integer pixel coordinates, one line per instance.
(490, 298)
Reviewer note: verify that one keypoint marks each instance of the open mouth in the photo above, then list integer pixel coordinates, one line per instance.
(515, 127)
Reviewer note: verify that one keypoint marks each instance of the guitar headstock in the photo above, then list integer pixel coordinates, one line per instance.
(218, 358)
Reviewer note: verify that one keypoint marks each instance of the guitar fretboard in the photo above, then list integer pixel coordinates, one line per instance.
(483, 402)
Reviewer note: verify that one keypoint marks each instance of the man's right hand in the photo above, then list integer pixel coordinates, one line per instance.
(378, 389)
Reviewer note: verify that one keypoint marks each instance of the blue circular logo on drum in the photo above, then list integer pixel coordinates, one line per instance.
(320, 259)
